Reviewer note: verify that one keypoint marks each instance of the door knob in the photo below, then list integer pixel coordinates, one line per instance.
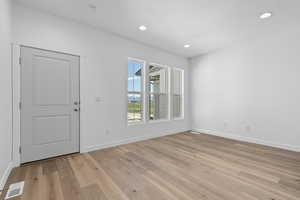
(75, 103)
(76, 110)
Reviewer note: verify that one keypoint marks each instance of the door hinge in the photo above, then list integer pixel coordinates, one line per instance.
(20, 105)
(20, 60)
(20, 149)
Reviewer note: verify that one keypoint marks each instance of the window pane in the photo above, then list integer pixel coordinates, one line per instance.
(177, 84)
(134, 76)
(158, 106)
(158, 88)
(134, 112)
(177, 104)
(177, 93)
(158, 79)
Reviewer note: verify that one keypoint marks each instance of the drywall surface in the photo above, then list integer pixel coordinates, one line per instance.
(103, 75)
(250, 91)
(5, 88)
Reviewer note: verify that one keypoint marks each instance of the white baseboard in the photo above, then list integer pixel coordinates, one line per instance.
(125, 141)
(248, 139)
(5, 175)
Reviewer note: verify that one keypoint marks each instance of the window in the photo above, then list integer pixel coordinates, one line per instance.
(135, 91)
(158, 98)
(154, 93)
(177, 93)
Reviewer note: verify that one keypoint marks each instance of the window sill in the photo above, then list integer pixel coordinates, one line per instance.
(158, 121)
(178, 119)
(154, 121)
(135, 123)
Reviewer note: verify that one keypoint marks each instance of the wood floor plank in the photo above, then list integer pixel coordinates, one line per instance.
(82, 171)
(92, 192)
(105, 182)
(51, 187)
(69, 184)
(183, 166)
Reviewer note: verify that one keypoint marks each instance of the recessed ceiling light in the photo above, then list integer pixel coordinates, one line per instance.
(143, 28)
(187, 46)
(265, 15)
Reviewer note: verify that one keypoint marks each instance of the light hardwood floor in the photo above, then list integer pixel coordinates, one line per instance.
(177, 167)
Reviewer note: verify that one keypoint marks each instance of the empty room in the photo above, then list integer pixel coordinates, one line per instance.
(150, 100)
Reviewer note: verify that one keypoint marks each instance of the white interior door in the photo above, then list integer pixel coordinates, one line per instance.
(49, 104)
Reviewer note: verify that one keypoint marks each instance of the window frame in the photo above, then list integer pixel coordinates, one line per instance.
(145, 92)
(182, 93)
(142, 92)
(148, 93)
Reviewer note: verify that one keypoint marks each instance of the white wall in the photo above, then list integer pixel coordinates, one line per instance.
(250, 91)
(103, 74)
(5, 88)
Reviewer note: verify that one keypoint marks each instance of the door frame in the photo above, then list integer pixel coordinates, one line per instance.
(16, 96)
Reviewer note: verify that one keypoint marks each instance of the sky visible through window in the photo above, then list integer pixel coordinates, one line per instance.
(134, 82)
(134, 78)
